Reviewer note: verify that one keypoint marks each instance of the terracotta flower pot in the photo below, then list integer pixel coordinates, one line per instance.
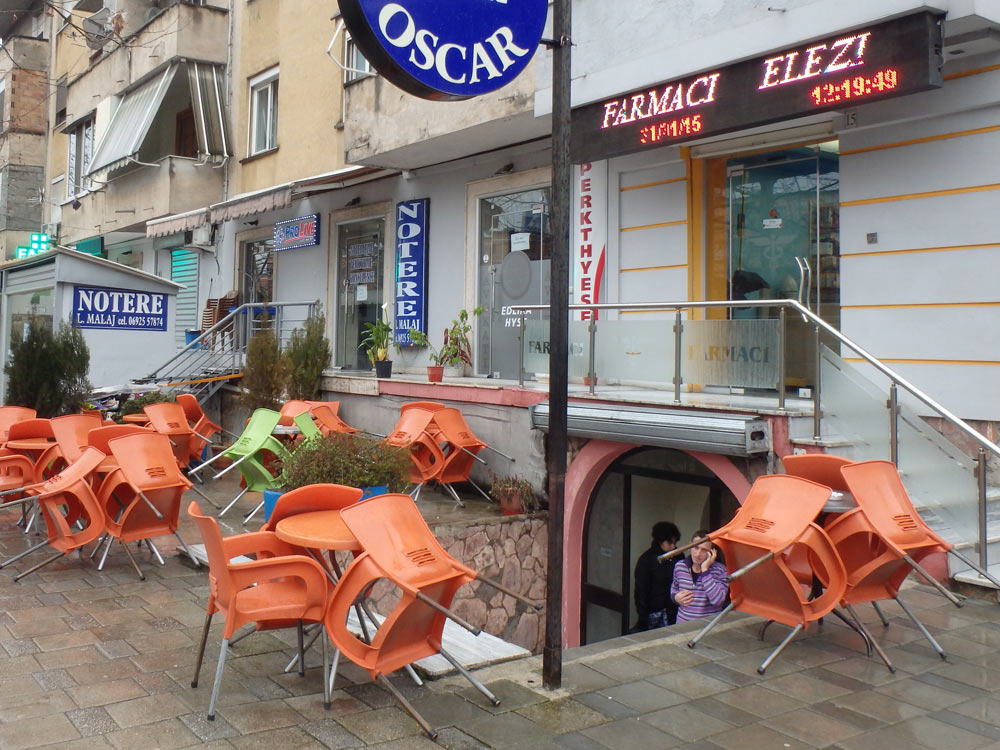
(511, 504)
(435, 373)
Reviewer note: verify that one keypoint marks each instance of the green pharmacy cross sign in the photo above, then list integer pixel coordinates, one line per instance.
(39, 244)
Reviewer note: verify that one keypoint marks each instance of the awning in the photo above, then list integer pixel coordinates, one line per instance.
(184, 222)
(131, 122)
(209, 113)
(252, 203)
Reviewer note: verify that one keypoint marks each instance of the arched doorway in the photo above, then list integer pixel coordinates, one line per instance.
(638, 489)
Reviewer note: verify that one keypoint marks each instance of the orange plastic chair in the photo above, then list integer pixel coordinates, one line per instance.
(31, 438)
(822, 468)
(169, 419)
(426, 457)
(280, 588)
(65, 501)
(462, 448)
(204, 428)
(291, 409)
(398, 546)
(70, 433)
(142, 497)
(327, 419)
(11, 414)
(883, 539)
(776, 517)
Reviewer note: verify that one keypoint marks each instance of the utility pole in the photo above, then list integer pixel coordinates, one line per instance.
(558, 335)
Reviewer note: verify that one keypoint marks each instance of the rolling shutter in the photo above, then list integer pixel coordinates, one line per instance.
(184, 270)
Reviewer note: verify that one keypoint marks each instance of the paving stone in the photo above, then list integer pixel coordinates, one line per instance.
(930, 697)
(505, 730)
(331, 734)
(690, 682)
(28, 733)
(630, 733)
(723, 711)
(105, 693)
(606, 705)
(811, 727)
(986, 729)
(80, 622)
(862, 721)
(91, 721)
(970, 674)
(19, 647)
(760, 701)
(955, 686)
(563, 715)
(756, 737)
(443, 710)
(669, 657)
(685, 722)
(512, 696)
(206, 730)
(985, 709)
(921, 731)
(725, 674)
(643, 696)
(878, 705)
(291, 738)
(115, 649)
(579, 678)
(577, 741)
(380, 725)
(54, 679)
(15, 707)
(147, 710)
(163, 735)
(623, 667)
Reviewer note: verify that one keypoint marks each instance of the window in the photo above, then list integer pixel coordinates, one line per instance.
(356, 66)
(264, 112)
(81, 150)
(3, 102)
(62, 88)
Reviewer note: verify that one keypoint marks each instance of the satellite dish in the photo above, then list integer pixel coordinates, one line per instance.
(97, 28)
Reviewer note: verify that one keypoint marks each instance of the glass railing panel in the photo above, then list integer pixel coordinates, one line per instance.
(635, 351)
(536, 348)
(743, 353)
(937, 475)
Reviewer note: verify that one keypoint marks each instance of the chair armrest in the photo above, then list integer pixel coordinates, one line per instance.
(255, 542)
(17, 461)
(246, 574)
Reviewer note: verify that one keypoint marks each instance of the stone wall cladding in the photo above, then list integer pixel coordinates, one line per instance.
(511, 550)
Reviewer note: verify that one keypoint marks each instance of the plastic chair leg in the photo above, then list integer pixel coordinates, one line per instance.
(933, 581)
(465, 673)
(327, 688)
(251, 514)
(981, 571)
(711, 624)
(201, 648)
(233, 502)
(107, 548)
(42, 564)
(384, 681)
(195, 560)
(156, 552)
(21, 555)
(881, 616)
(218, 679)
(920, 626)
(206, 497)
(878, 649)
(302, 650)
(781, 647)
(454, 494)
(131, 559)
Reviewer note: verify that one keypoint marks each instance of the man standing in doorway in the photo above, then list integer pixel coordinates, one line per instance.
(653, 603)
(699, 583)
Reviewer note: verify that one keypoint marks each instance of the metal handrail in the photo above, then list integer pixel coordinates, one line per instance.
(806, 313)
(221, 325)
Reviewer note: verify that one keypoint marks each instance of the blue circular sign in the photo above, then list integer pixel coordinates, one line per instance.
(446, 49)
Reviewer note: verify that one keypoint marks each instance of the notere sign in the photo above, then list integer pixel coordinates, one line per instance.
(898, 57)
(446, 49)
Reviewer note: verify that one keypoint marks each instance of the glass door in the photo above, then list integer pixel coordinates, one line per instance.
(360, 258)
(784, 242)
(514, 249)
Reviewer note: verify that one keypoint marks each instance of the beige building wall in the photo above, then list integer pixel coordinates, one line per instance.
(292, 34)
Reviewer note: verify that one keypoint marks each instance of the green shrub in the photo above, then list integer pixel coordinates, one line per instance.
(351, 460)
(308, 353)
(264, 372)
(47, 371)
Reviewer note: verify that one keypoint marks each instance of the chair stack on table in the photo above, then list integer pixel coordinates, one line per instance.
(442, 447)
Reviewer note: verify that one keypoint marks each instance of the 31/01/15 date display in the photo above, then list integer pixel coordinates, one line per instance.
(857, 87)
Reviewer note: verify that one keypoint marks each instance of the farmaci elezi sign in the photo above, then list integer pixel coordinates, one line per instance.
(446, 49)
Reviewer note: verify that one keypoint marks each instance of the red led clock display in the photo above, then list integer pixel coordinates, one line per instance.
(894, 58)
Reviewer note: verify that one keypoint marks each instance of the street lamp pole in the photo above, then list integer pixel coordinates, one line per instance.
(558, 339)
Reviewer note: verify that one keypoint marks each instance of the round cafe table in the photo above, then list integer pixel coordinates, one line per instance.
(318, 529)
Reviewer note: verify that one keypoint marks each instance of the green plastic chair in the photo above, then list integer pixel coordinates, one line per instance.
(307, 427)
(246, 456)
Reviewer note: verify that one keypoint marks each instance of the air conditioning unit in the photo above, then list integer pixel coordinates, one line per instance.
(202, 235)
(52, 230)
(97, 28)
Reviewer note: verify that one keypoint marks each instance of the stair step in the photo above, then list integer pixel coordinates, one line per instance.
(973, 578)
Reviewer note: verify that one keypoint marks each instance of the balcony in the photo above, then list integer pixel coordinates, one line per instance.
(447, 130)
(183, 31)
(136, 195)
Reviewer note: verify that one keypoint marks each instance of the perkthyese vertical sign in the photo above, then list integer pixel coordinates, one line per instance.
(446, 49)
(411, 268)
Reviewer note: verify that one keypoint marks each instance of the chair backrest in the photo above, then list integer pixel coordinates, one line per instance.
(328, 420)
(30, 428)
(72, 434)
(823, 468)
(11, 414)
(219, 578)
(99, 436)
(775, 512)
(395, 535)
(307, 428)
(425, 405)
(309, 498)
(167, 418)
(146, 459)
(192, 409)
(256, 434)
(412, 423)
(290, 409)
(462, 445)
(881, 496)
(71, 489)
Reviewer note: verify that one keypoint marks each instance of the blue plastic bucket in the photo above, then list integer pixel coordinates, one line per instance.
(270, 500)
(367, 492)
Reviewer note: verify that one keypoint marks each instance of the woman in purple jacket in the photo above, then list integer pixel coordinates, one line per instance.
(699, 586)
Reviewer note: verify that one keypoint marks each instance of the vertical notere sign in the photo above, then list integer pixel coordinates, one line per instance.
(446, 49)
(411, 269)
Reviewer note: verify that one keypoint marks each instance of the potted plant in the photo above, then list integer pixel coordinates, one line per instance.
(349, 459)
(456, 352)
(515, 495)
(307, 354)
(376, 344)
(435, 372)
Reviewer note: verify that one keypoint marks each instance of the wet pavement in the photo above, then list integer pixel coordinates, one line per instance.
(94, 659)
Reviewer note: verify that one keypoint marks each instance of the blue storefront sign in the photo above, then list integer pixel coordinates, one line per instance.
(300, 232)
(411, 268)
(98, 307)
(446, 49)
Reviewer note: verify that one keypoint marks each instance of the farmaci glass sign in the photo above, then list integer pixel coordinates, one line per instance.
(446, 49)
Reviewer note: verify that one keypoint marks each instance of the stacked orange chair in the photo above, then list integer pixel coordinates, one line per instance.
(169, 419)
(398, 545)
(11, 414)
(291, 409)
(204, 429)
(147, 486)
(72, 514)
(326, 418)
(776, 517)
(278, 588)
(461, 450)
(415, 430)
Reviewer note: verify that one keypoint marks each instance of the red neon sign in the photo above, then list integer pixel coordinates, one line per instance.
(855, 88)
(671, 129)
